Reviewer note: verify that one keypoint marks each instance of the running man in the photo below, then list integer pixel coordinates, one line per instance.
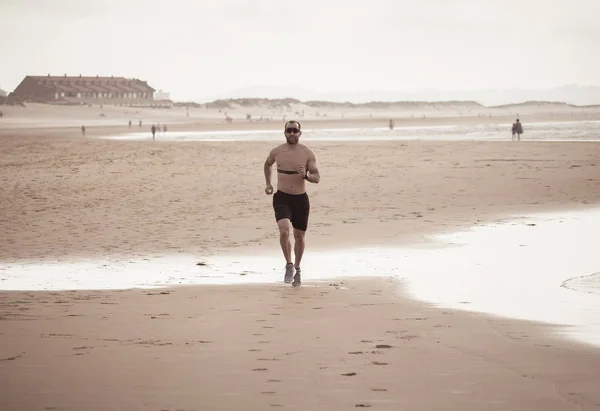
(296, 164)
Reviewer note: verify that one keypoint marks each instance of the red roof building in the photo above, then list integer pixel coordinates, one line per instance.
(97, 90)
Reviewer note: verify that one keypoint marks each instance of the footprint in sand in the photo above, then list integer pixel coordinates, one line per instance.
(378, 363)
(14, 357)
(349, 374)
(408, 337)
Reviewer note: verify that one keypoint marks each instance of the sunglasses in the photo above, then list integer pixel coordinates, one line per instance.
(292, 130)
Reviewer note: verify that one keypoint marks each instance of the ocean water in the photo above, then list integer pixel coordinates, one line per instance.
(558, 131)
(541, 267)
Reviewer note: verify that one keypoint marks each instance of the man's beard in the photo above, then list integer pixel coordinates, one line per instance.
(292, 140)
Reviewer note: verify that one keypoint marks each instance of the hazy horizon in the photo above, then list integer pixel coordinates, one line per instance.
(197, 50)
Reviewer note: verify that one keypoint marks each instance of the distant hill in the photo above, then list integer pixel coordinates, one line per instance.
(289, 103)
(569, 94)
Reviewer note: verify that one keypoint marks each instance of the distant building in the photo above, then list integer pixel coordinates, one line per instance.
(91, 90)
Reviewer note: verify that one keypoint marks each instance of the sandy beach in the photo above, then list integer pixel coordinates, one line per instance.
(344, 344)
(257, 347)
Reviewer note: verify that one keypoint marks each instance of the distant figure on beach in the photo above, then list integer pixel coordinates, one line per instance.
(165, 129)
(83, 131)
(129, 123)
(391, 125)
(296, 164)
(153, 129)
(140, 123)
(517, 130)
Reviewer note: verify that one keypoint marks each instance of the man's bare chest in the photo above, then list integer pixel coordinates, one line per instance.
(290, 160)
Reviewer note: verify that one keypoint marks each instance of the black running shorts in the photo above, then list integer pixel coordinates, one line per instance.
(294, 207)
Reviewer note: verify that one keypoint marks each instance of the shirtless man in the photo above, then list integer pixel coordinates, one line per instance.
(296, 164)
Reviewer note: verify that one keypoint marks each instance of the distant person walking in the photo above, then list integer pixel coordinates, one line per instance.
(83, 131)
(165, 129)
(517, 130)
(153, 128)
(391, 125)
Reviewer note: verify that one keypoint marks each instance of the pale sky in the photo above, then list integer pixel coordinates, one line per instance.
(195, 49)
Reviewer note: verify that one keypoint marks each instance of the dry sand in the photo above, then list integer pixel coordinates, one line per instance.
(86, 197)
(195, 348)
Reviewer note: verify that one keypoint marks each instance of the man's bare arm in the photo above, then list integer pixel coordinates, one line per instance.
(268, 167)
(313, 170)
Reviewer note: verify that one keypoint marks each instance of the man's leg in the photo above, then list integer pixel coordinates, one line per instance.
(298, 247)
(298, 252)
(286, 248)
(284, 239)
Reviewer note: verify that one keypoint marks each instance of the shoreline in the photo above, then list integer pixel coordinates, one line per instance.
(216, 124)
(413, 263)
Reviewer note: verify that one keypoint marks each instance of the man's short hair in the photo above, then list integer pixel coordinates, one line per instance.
(293, 121)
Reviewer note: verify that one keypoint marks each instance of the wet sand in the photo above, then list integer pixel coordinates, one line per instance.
(344, 345)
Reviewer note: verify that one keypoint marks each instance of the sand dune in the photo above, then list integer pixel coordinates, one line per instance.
(265, 113)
